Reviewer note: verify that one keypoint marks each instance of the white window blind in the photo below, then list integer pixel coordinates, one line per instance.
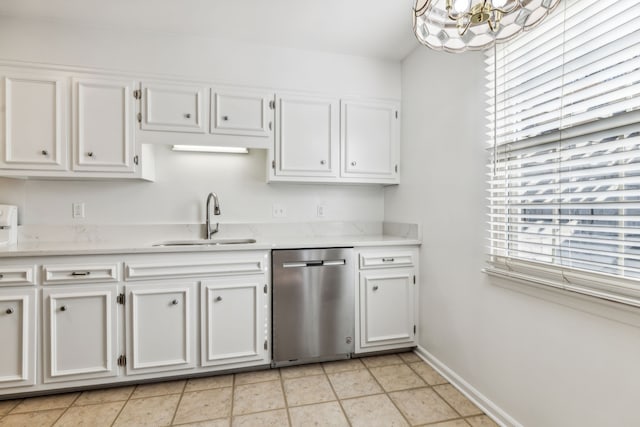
(564, 138)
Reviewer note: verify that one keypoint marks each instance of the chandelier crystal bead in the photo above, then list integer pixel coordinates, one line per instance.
(460, 25)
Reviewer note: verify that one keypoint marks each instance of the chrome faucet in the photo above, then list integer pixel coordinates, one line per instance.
(216, 211)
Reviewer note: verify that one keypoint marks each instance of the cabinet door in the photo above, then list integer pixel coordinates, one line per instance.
(177, 108)
(103, 111)
(307, 136)
(17, 329)
(386, 307)
(80, 332)
(33, 122)
(160, 327)
(235, 112)
(370, 137)
(239, 302)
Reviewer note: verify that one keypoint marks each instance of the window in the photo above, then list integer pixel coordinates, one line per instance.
(564, 126)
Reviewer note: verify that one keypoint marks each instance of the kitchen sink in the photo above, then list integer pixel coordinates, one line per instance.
(206, 242)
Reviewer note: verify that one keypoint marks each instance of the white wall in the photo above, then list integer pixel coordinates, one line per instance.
(545, 358)
(184, 180)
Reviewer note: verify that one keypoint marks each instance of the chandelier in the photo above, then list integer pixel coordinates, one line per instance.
(460, 25)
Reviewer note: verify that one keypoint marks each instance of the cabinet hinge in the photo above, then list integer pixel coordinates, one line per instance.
(414, 329)
(139, 117)
(136, 159)
(396, 114)
(396, 168)
(122, 360)
(414, 279)
(272, 105)
(137, 94)
(266, 345)
(120, 299)
(265, 288)
(273, 164)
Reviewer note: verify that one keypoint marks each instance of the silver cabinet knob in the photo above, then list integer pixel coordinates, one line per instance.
(225, 118)
(375, 288)
(9, 310)
(90, 154)
(174, 302)
(353, 163)
(63, 308)
(187, 116)
(44, 152)
(322, 162)
(218, 298)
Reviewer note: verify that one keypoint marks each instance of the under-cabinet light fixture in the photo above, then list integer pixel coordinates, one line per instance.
(210, 149)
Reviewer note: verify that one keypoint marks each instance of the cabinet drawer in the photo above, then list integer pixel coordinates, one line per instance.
(54, 274)
(204, 268)
(16, 275)
(390, 259)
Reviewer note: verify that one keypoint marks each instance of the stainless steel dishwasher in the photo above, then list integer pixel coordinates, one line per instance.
(313, 305)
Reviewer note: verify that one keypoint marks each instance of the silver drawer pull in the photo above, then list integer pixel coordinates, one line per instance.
(218, 298)
(375, 288)
(9, 310)
(80, 273)
(336, 262)
(388, 259)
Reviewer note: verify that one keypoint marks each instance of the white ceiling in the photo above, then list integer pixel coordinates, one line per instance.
(373, 28)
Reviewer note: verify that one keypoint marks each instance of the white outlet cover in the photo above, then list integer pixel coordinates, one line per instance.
(279, 211)
(77, 210)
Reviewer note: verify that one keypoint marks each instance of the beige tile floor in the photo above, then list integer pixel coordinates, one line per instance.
(390, 390)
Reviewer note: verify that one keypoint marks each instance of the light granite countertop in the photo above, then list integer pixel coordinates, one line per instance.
(127, 239)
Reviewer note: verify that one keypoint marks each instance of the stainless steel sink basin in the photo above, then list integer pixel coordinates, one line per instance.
(206, 242)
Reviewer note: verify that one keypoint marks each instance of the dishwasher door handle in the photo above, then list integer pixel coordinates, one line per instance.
(312, 263)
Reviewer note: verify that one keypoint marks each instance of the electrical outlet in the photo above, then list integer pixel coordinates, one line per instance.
(279, 211)
(321, 211)
(77, 210)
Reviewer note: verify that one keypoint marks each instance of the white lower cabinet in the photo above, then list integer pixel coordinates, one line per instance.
(234, 320)
(18, 332)
(80, 331)
(386, 312)
(386, 305)
(160, 327)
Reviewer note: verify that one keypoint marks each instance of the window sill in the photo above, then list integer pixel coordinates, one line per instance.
(601, 286)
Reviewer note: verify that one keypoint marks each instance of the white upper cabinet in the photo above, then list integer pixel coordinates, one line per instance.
(241, 112)
(369, 133)
(174, 107)
(32, 125)
(307, 136)
(103, 115)
(314, 143)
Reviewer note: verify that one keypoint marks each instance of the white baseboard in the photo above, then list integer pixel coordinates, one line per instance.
(488, 407)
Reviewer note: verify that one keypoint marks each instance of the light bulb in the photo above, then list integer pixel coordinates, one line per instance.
(499, 3)
(461, 6)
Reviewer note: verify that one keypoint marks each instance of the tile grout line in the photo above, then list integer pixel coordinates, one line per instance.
(233, 397)
(123, 406)
(344, 413)
(386, 393)
(284, 395)
(173, 419)
(66, 409)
